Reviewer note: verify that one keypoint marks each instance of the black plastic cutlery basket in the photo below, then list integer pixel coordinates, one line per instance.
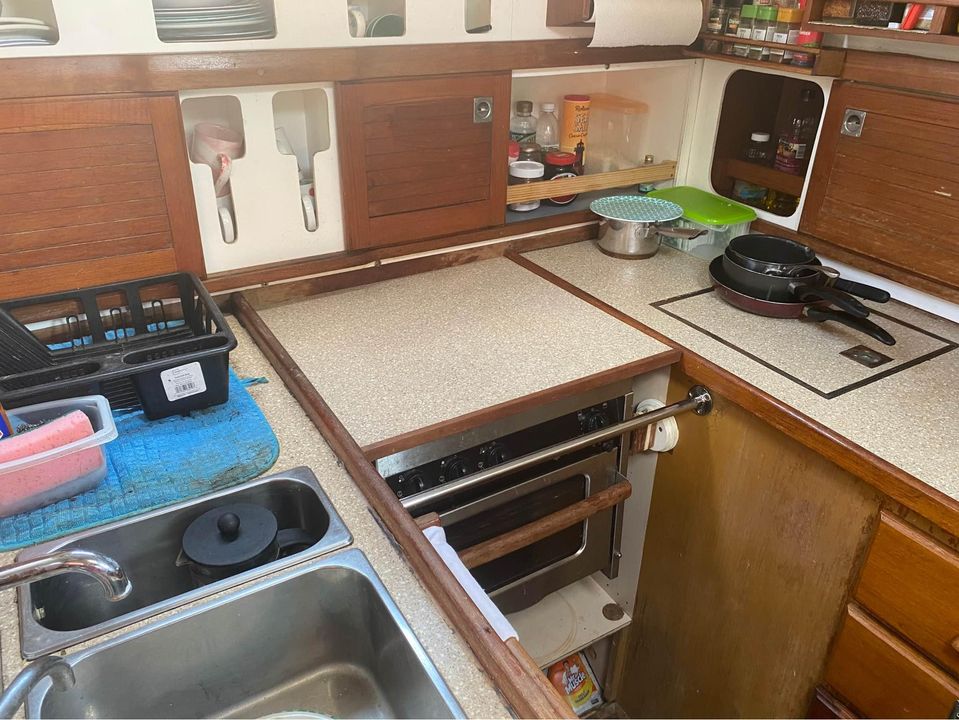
(160, 343)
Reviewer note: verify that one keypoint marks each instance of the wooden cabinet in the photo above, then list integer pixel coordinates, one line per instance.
(93, 190)
(892, 193)
(416, 162)
(897, 653)
(883, 677)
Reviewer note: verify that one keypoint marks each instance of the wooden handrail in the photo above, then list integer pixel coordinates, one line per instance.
(506, 543)
(521, 683)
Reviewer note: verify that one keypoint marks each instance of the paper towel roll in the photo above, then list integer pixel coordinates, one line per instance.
(620, 23)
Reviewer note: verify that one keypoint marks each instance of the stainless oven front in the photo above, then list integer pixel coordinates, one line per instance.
(472, 513)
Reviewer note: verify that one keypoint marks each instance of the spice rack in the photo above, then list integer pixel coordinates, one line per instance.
(944, 30)
(590, 183)
(828, 61)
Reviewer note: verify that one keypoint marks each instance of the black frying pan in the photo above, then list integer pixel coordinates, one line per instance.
(782, 257)
(817, 311)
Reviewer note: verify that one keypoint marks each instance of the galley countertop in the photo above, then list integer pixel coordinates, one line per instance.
(401, 355)
(900, 411)
(302, 444)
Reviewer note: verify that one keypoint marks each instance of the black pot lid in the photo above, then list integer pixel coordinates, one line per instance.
(229, 535)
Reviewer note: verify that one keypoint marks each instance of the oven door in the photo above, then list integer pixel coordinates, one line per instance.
(525, 576)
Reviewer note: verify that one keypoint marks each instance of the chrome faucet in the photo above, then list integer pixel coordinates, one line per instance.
(103, 569)
(59, 670)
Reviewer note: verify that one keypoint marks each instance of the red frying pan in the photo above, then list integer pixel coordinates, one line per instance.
(816, 311)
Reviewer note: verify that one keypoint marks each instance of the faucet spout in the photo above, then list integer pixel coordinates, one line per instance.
(103, 569)
(59, 670)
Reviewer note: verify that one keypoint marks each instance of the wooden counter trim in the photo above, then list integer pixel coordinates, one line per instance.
(166, 72)
(301, 268)
(519, 680)
(382, 448)
(884, 476)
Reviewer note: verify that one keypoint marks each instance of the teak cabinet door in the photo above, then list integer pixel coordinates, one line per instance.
(891, 194)
(92, 191)
(416, 162)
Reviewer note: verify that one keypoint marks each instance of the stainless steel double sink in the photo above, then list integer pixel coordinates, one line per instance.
(320, 634)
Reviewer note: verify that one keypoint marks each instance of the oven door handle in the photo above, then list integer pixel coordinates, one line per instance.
(699, 400)
(525, 535)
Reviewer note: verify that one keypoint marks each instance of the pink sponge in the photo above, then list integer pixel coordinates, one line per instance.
(20, 485)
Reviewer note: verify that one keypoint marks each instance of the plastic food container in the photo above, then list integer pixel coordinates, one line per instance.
(60, 472)
(721, 218)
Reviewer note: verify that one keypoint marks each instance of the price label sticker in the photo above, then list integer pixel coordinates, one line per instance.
(183, 381)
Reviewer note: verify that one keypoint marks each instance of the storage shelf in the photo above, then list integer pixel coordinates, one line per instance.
(915, 35)
(766, 177)
(590, 183)
(763, 43)
(566, 621)
(831, 70)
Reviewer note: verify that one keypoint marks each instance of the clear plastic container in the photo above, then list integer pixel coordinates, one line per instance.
(722, 219)
(51, 475)
(616, 131)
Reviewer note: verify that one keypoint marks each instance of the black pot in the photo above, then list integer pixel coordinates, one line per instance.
(231, 539)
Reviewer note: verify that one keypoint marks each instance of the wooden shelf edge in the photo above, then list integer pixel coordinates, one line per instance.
(878, 32)
(765, 176)
(762, 43)
(589, 183)
(747, 62)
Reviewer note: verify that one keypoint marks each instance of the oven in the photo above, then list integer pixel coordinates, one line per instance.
(459, 478)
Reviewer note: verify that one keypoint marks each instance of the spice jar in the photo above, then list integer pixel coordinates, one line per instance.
(787, 31)
(561, 165)
(716, 24)
(524, 172)
(732, 22)
(747, 17)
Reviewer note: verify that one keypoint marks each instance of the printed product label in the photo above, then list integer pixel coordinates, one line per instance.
(183, 381)
(523, 137)
(563, 199)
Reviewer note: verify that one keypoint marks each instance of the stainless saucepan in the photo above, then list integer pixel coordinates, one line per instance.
(633, 225)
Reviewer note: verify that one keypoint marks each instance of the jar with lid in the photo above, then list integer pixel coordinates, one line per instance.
(560, 166)
(513, 151)
(522, 126)
(747, 17)
(761, 23)
(716, 23)
(531, 151)
(760, 149)
(787, 31)
(524, 172)
(732, 21)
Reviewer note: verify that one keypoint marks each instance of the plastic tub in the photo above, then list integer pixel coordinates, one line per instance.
(51, 475)
(722, 219)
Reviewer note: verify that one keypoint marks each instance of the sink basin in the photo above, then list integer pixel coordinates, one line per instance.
(323, 637)
(67, 609)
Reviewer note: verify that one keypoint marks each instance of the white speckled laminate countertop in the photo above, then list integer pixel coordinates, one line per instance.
(301, 444)
(907, 418)
(404, 354)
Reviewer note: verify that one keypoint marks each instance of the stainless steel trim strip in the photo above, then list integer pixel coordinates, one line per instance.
(699, 401)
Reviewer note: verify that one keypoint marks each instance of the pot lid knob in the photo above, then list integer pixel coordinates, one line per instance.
(229, 526)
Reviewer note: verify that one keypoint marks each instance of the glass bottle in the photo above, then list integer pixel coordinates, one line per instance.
(547, 128)
(791, 149)
(522, 126)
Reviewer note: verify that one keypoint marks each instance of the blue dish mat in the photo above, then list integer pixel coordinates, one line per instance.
(156, 463)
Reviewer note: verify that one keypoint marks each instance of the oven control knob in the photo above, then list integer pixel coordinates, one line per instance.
(593, 419)
(494, 454)
(409, 484)
(454, 468)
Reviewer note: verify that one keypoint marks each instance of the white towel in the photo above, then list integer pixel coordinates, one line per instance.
(500, 624)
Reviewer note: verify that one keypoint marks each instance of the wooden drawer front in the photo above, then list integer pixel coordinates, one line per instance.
(414, 162)
(93, 190)
(889, 193)
(912, 582)
(882, 677)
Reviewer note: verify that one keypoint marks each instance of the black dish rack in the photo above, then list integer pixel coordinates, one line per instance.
(159, 343)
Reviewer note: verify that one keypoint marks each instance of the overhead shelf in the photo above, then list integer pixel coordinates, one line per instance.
(828, 62)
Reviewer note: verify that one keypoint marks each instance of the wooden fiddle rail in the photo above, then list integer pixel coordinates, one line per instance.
(514, 673)
(589, 183)
(530, 533)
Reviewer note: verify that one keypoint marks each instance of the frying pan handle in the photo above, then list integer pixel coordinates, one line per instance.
(864, 291)
(812, 293)
(867, 327)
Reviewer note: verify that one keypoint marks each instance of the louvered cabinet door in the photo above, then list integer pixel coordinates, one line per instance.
(417, 162)
(93, 190)
(891, 192)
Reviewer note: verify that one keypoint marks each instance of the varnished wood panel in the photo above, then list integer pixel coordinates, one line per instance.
(751, 545)
(882, 677)
(902, 71)
(388, 127)
(892, 193)
(911, 582)
(172, 72)
(93, 190)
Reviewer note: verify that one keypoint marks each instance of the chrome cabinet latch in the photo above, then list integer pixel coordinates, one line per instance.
(482, 109)
(852, 122)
